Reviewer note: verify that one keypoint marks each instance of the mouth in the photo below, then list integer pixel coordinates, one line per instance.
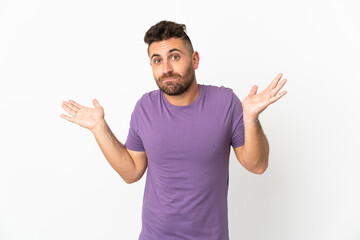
(169, 79)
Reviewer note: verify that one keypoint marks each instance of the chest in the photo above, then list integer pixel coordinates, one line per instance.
(183, 138)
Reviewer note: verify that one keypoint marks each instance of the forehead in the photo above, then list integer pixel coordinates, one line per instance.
(163, 47)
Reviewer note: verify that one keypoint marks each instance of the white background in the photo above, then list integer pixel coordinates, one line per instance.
(55, 182)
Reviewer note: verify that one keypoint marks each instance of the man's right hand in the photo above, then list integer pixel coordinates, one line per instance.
(86, 117)
(130, 165)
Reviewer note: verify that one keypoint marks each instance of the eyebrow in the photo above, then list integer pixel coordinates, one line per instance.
(170, 51)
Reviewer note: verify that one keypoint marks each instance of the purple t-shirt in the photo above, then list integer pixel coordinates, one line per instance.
(188, 150)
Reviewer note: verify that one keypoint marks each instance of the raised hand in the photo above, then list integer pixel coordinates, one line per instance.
(254, 103)
(84, 116)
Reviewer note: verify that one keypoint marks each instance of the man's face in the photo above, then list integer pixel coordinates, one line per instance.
(173, 65)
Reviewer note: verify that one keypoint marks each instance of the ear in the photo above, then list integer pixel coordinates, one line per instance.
(196, 59)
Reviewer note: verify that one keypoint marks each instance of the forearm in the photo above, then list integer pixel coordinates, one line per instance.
(256, 147)
(114, 152)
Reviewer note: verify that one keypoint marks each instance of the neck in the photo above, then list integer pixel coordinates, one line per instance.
(185, 98)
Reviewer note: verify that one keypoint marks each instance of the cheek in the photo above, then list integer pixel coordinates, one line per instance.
(178, 68)
(156, 73)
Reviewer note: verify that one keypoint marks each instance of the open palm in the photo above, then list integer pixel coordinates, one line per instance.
(254, 103)
(84, 116)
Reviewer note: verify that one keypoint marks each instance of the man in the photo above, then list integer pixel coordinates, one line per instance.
(182, 135)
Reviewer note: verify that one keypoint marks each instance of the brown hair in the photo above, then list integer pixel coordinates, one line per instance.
(165, 30)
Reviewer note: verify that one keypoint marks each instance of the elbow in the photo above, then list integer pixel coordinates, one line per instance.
(130, 181)
(127, 179)
(260, 171)
(260, 168)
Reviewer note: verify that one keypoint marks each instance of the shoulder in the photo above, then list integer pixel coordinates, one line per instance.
(148, 99)
(218, 89)
(220, 92)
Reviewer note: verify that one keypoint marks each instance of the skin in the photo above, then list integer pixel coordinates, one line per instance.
(173, 64)
(130, 165)
(254, 154)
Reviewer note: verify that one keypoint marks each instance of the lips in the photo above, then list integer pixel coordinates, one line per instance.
(169, 79)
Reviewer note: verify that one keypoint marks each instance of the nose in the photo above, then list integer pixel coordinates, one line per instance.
(167, 67)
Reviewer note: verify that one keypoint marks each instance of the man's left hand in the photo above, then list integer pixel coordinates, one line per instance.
(254, 103)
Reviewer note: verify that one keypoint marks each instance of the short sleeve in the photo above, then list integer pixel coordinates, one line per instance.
(238, 133)
(133, 141)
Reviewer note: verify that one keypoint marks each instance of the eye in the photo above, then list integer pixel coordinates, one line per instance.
(175, 57)
(156, 60)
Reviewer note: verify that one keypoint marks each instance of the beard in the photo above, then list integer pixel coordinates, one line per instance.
(178, 86)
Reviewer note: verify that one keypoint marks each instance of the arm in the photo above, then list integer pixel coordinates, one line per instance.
(254, 154)
(130, 165)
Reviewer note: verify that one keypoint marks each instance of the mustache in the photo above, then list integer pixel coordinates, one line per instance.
(169, 75)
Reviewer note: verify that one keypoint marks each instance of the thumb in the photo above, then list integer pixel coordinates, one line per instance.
(96, 103)
(253, 90)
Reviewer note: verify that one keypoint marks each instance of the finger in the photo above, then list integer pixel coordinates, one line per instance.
(66, 117)
(96, 103)
(275, 81)
(253, 90)
(71, 106)
(278, 87)
(277, 97)
(76, 104)
(68, 109)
